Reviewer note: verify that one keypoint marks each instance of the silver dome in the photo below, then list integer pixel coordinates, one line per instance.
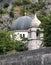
(22, 23)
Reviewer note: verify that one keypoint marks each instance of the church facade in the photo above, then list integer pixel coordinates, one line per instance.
(26, 27)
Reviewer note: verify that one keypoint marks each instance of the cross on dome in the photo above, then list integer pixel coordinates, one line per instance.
(35, 22)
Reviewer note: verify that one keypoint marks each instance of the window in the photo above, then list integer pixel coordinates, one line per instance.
(23, 35)
(37, 33)
(20, 35)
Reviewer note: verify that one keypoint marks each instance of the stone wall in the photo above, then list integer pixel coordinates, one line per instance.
(34, 57)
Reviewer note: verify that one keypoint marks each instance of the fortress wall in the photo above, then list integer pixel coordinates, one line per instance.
(34, 57)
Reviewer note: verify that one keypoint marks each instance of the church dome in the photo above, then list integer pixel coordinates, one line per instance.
(22, 23)
(35, 22)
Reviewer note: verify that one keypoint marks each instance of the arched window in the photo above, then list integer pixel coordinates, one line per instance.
(23, 35)
(37, 32)
(20, 35)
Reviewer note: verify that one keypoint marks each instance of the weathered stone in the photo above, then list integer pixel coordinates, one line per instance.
(46, 59)
(34, 57)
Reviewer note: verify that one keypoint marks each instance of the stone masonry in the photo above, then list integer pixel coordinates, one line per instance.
(34, 57)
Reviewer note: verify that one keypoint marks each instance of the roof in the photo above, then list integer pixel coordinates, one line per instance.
(22, 23)
(35, 22)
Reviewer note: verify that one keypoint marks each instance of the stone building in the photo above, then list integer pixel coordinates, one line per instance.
(26, 27)
(35, 38)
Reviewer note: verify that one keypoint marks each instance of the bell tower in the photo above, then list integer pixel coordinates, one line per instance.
(34, 40)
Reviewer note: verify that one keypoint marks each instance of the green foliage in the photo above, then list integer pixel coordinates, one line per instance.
(1, 11)
(25, 39)
(18, 2)
(46, 25)
(5, 41)
(1, 0)
(47, 32)
(25, 2)
(6, 5)
(22, 2)
(20, 46)
(11, 14)
(36, 6)
(1, 22)
(8, 44)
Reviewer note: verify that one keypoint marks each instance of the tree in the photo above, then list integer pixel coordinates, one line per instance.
(22, 2)
(25, 2)
(11, 14)
(8, 44)
(5, 42)
(1, 12)
(47, 32)
(37, 6)
(6, 5)
(18, 2)
(46, 25)
(1, 0)
(20, 46)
